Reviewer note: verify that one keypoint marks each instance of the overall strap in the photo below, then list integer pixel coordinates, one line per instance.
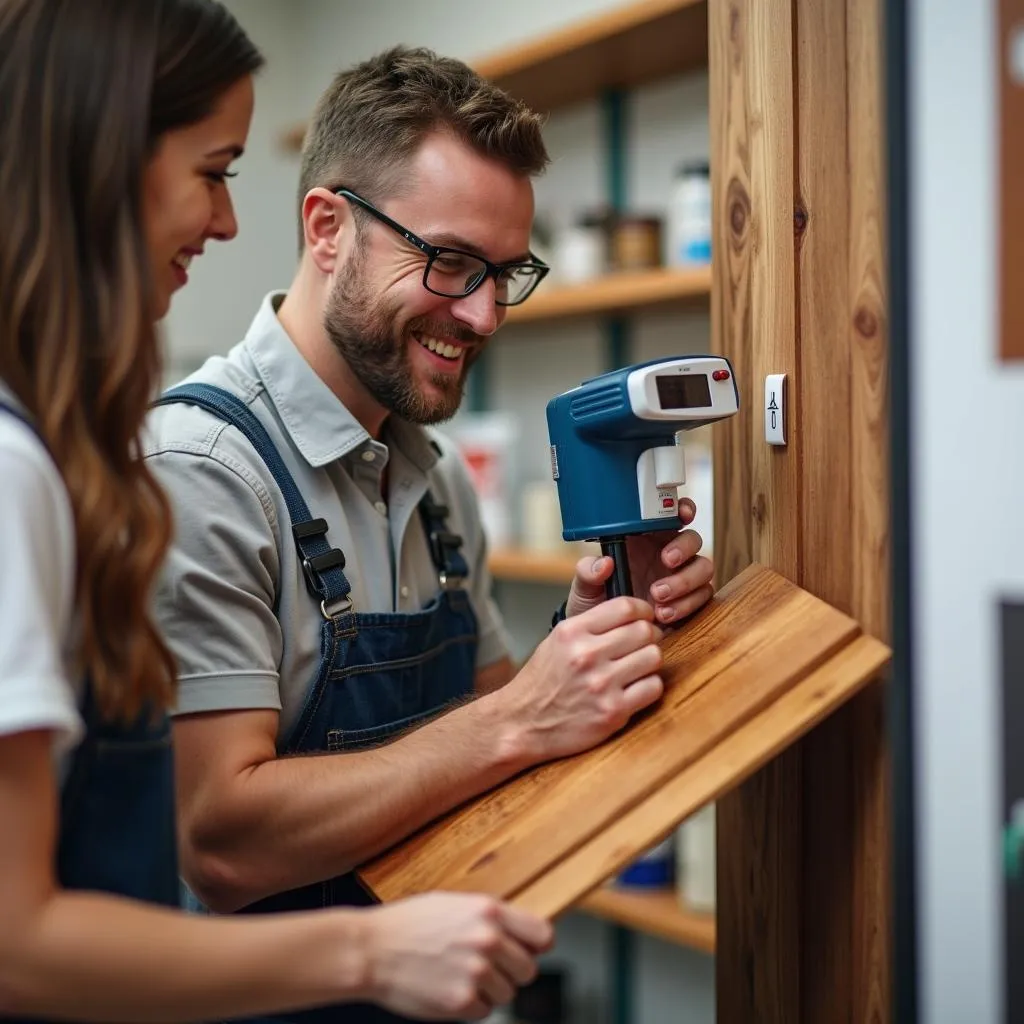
(452, 568)
(322, 564)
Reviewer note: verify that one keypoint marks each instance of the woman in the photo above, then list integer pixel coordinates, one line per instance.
(121, 120)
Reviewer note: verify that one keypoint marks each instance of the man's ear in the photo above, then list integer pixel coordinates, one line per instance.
(325, 219)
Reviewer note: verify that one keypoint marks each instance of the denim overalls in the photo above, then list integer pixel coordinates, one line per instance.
(116, 831)
(379, 675)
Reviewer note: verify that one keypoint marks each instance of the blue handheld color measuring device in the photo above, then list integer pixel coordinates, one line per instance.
(616, 451)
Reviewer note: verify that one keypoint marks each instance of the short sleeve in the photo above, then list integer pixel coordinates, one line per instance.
(36, 592)
(214, 602)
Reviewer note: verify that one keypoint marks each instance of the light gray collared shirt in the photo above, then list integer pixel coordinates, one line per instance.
(233, 560)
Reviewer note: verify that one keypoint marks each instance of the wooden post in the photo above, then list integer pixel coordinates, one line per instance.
(796, 138)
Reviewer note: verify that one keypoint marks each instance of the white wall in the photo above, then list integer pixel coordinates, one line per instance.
(967, 492)
(306, 42)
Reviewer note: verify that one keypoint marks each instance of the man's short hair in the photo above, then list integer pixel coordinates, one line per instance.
(374, 116)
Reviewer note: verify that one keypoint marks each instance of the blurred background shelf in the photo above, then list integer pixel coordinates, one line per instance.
(618, 49)
(616, 293)
(656, 913)
(526, 566)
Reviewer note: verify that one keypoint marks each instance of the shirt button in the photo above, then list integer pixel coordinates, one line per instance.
(381, 507)
(369, 456)
(404, 591)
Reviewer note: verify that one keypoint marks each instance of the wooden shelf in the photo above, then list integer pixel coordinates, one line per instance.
(654, 913)
(622, 48)
(532, 566)
(631, 45)
(622, 292)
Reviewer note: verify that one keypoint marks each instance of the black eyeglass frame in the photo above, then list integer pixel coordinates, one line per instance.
(432, 252)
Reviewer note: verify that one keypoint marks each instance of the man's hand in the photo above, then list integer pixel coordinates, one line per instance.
(671, 575)
(584, 682)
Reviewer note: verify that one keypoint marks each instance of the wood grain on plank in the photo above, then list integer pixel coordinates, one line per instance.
(758, 637)
(754, 743)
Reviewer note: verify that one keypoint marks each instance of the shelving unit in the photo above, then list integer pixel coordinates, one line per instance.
(616, 293)
(656, 913)
(523, 566)
(633, 45)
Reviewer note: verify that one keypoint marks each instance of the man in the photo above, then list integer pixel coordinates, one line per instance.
(327, 593)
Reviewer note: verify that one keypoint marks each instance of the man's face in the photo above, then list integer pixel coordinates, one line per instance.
(411, 349)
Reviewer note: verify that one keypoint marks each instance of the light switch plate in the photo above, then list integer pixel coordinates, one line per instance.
(775, 408)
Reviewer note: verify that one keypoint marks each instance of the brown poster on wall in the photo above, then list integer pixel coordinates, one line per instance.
(1010, 215)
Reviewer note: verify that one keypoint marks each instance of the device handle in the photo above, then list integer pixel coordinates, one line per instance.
(619, 583)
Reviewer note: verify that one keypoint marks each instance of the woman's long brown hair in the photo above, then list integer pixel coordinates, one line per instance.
(87, 87)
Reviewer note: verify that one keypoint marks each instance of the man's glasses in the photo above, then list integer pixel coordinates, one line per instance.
(454, 273)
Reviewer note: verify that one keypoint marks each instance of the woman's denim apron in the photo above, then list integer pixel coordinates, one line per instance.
(117, 830)
(380, 674)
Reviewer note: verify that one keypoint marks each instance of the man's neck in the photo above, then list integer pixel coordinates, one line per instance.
(299, 316)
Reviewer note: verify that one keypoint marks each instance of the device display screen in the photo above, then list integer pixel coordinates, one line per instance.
(683, 390)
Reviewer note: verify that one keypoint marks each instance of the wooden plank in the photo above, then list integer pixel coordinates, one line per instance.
(754, 641)
(657, 913)
(625, 47)
(759, 823)
(1010, 214)
(823, 277)
(623, 292)
(755, 743)
(870, 600)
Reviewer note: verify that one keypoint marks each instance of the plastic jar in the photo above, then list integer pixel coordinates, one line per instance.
(581, 250)
(636, 243)
(689, 216)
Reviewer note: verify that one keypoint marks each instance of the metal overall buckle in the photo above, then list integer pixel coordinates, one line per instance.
(442, 544)
(312, 567)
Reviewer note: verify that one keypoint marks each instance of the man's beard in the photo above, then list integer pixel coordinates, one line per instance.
(363, 332)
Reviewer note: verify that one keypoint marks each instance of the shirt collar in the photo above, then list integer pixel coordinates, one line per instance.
(317, 422)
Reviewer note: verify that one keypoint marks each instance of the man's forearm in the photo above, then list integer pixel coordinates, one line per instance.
(293, 821)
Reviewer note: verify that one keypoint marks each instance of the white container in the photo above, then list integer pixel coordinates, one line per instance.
(695, 863)
(486, 442)
(688, 223)
(541, 517)
(579, 253)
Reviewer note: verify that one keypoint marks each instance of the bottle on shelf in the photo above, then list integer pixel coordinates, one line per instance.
(688, 226)
(695, 860)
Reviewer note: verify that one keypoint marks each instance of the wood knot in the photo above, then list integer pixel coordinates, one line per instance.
(800, 219)
(760, 509)
(865, 322)
(734, 23)
(738, 205)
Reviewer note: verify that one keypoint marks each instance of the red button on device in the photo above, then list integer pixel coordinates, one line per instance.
(720, 375)
(667, 503)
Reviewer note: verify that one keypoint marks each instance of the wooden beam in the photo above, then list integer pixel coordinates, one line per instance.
(822, 207)
(757, 493)
(797, 151)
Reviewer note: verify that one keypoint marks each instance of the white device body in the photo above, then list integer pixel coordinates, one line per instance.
(705, 386)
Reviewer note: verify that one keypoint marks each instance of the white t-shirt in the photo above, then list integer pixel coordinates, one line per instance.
(39, 685)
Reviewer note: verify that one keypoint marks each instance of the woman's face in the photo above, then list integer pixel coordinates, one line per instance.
(185, 192)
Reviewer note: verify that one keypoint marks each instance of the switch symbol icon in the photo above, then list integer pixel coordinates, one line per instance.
(775, 408)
